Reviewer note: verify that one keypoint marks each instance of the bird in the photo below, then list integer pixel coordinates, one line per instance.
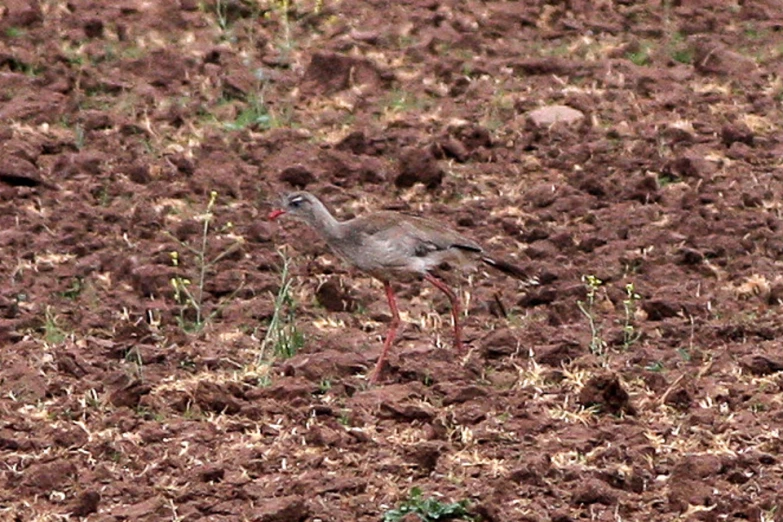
(391, 246)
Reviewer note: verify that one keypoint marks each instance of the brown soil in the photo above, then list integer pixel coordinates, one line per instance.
(120, 118)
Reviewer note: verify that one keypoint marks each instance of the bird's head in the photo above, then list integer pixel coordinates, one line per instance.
(298, 205)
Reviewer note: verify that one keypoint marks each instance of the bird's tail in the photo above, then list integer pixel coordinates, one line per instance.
(507, 268)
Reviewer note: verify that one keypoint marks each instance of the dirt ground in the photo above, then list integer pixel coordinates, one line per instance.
(635, 376)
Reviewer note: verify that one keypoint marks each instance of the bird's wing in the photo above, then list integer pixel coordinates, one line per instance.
(413, 236)
(436, 237)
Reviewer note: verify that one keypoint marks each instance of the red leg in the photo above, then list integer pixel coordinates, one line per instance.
(455, 307)
(395, 323)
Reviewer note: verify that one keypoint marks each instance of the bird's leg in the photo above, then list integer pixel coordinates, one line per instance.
(395, 323)
(455, 307)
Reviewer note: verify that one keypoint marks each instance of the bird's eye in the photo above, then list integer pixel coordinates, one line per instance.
(296, 202)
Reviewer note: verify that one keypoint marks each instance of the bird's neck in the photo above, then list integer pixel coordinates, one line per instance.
(327, 225)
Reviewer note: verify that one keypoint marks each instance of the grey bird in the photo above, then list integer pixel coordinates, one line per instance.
(391, 246)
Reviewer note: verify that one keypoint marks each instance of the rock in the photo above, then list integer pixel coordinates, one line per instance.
(139, 173)
(282, 509)
(259, 231)
(532, 470)
(542, 195)
(210, 396)
(56, 475)
(658, 309)
(560, 354)
(329, 364)
(499, 343)
(775, 296)
(211, 473)
(712, 57)
(329, 73)
(297, 176)
(96, 120)
(130, 395)
(425, 455)
(418, 166)
(19, 172)
(761, 365)
(751, 200)
(690, 166)
(739, 151)
(606, 392)
(593, 491)
(20, 13)
(458, 394)
(689, 256)
(736, 132)
(558, 66)
(93, 28)
(548, 116)
(86, 504)
(288, 388)
(450, 147)
(356, 142)
(141, 510)
(537, 297)
(335, 297)
(689, 483)
(151, 279)
(679, 398)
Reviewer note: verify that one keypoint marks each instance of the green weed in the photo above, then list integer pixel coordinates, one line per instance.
(597, 344)
(430, 509)
(282, 335)
(53, 333)
(75, 289)
(641, 56)
(630, 335)
(191, 297)
(15, 32)
(255, 115)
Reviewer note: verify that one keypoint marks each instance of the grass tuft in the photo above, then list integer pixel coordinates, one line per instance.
(282, 335)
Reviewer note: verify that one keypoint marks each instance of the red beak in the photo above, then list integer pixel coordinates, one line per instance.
(276, 214)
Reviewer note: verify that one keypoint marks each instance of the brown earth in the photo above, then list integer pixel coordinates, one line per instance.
(120, 118)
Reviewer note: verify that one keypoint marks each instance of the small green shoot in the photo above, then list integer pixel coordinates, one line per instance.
(193, 298)
(15, 32)
(666, 179)
(282, 335)
(75, 289)
(597, 344)
(679, 49)
(640, 56)
(221, 11)
(255, 115)
(79, 136)
(53, 333)
(134, 358)
(428, 510)
(324, 386)
(630, 335)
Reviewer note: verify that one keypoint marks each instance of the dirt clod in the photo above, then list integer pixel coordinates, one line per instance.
(606, 392)
(86, 504)
(418, 166)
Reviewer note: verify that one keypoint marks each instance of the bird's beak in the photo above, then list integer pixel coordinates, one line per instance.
(276, 214)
